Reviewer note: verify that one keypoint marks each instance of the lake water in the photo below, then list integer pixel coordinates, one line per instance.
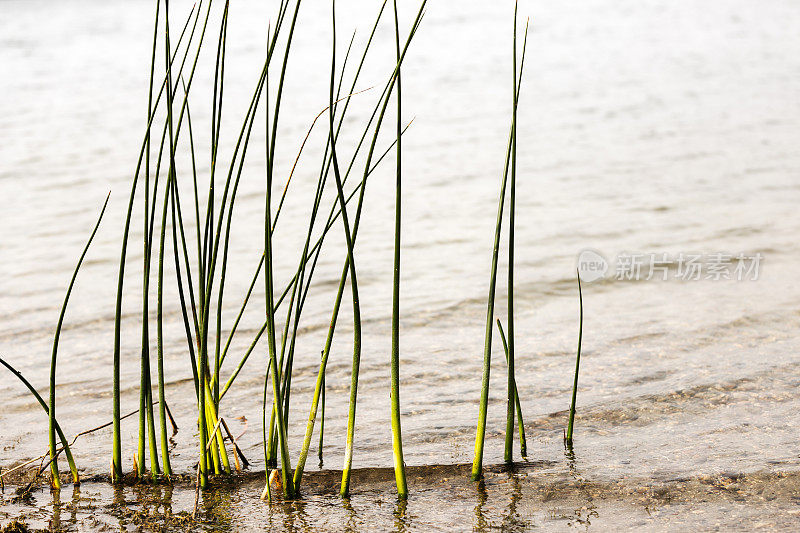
(645, 127)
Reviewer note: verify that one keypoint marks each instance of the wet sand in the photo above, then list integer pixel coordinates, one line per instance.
(520, 497)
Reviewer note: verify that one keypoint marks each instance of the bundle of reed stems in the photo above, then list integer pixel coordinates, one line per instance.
(201, 257)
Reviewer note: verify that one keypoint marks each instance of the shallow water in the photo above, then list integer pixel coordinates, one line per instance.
(444, 499)
(645, 126)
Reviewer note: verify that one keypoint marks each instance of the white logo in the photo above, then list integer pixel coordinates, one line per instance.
(592, 266)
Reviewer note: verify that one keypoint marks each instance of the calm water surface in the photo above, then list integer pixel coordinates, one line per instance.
(645, 127)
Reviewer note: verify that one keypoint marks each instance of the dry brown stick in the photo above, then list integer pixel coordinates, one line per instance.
(171, 419)
(42, 468)
(239, 453)
(236, 461)
(98, 428)
(61, 449)
(26, 463)
(308, 134)
(235, 447)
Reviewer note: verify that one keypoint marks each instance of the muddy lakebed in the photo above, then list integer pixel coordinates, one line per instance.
(527, 496)
(649, 129)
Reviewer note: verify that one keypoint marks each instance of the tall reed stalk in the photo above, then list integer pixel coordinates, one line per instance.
(215, 457)
(212, 457)
(351, 417)
(301, 282)
(508, 452)
(477, 464)
(160, 297)
(53, 359)
(286, 479)
(145, 396)
(571, 424)
(310, 255)
(397, 436)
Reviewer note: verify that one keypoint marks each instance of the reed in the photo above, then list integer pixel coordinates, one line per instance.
(53, 361)
(145, 391)
(380, 111)
(510, 164)
(508, 452)
(272, 346)
(177, 223)
(208, 251)
(397, 437)
(145, 410)
(210, 408)
(209, 246)
(201, 283)
(64, 442)
(208, 395)
(348, 454)
(201, 280)
(160, 296)
(571, 424)
(171, 192)
(311, 256)
(523, 445)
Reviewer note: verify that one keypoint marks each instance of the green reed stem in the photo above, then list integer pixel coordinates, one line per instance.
(523, 445)
(43, 404)
(351, 418)
(477, 464)
(185, 249)
(179, 279)
(571, 424)
(397, 437)
(314, 250)
(53, 360)
(267, 489)
(218, 103)
(219, 357)
(209, 248)
(273, 364)
(508, 453)
(321, 424)
(276, 389)
(144, 357)
(160, 290)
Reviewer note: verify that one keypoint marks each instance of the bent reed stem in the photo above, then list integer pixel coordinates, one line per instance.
(53, 360)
